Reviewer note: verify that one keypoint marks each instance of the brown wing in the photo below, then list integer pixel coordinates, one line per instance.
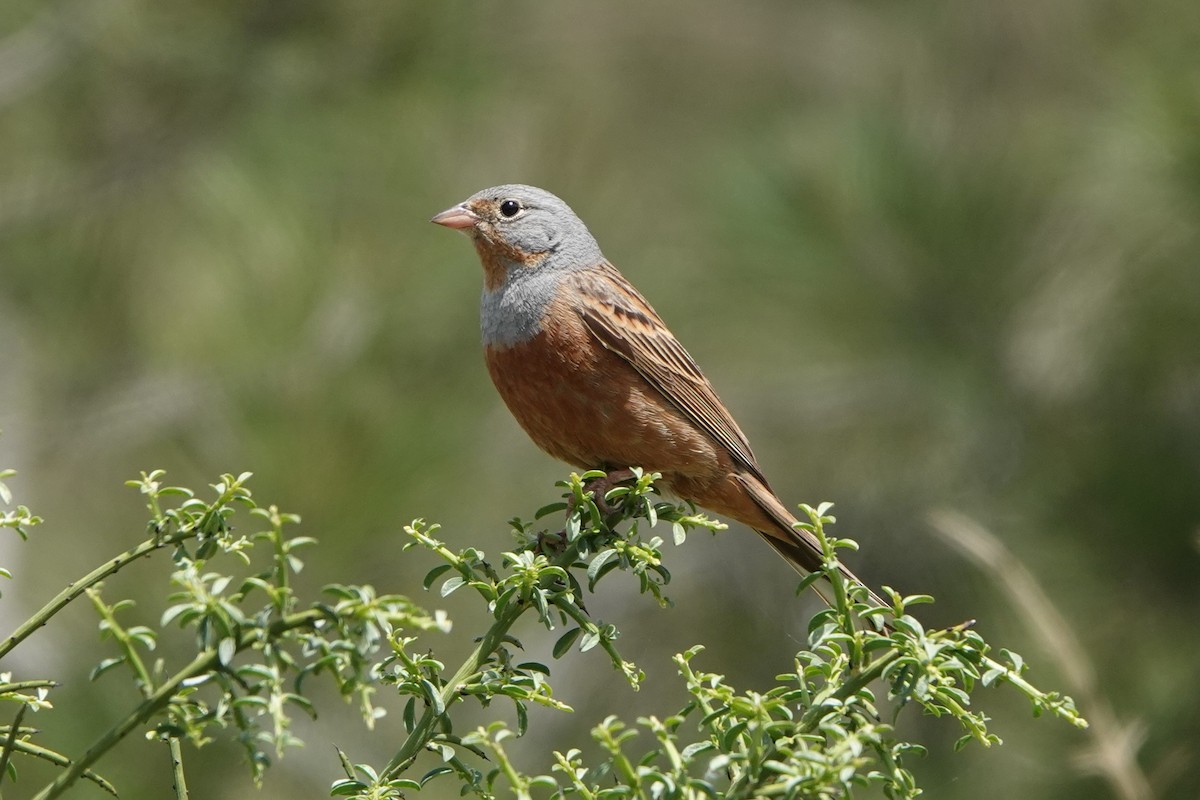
(624, 322)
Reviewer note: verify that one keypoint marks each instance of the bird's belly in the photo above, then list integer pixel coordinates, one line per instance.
(585, 405)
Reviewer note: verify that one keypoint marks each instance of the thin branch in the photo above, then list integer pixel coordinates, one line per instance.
(31, 749)
(124, 641)
(204, 662)
(488, 644)
(80, 586)
(181, 792)
(24, 686)
(421, 732)
(10, 741)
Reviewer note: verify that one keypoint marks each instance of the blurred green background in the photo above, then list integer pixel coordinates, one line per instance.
(932, 255)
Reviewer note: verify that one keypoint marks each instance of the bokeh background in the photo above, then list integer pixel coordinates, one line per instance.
(935, 256)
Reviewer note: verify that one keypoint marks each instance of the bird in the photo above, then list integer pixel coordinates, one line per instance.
(596, 379)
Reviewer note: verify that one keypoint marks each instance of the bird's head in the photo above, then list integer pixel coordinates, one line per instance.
(517, 227)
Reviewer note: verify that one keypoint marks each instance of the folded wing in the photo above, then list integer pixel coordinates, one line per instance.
(621, 319)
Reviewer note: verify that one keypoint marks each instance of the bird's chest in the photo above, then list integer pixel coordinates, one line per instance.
(557, 386)
(585, 405)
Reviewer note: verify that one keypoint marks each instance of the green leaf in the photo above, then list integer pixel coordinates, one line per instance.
(104, 666)
(808, 580)
(433, 697)
(590, 640)
(433, 574)
(553, 508)
(729, 738)
(433, 773)
(348, 788)
(226, 650)
(599, 561)
(347, 767)
(565, 641)
(410, 715)
(522, 718)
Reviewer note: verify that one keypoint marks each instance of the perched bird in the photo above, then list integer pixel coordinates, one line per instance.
(594, 376)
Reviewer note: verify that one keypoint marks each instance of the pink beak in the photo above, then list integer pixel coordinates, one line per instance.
(458, 217)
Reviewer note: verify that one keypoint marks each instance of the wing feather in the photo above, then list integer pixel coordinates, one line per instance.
(621, 319)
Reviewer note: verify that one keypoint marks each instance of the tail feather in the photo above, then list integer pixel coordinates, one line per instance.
(797, 546)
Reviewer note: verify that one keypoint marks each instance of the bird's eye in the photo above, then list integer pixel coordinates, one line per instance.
(510, 208)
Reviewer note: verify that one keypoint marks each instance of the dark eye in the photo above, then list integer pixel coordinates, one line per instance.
(510, 208)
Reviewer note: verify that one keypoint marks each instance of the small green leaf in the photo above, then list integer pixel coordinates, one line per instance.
(104, 666)
(808, 580)
(565, 641)
(992, 675)
(433, 773)
(433, 574)
(410, 715)
(226, 650)
(348, 788)
(433, 697)
(347, 767)
(522, 718)
(599, 561)
(590, 640)
(553, 508)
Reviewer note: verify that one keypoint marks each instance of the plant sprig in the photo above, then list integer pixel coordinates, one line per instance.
(255, 641)
(820, 732)
(826, 729)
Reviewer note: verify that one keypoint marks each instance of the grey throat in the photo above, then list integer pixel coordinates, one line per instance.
(513, 313)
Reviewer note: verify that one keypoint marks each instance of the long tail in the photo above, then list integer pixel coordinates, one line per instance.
(797, 546)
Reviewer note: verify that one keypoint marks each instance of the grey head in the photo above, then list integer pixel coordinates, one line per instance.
(529, 241)
(523, 225)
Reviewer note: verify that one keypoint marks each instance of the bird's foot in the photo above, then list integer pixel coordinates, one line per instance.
(599, 487)
(550, 544)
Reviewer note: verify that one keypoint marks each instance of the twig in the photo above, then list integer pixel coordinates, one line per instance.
(11, 740)
(181, 792)
(421, 731)
(202, 663)
(78, 587)
(31, 749)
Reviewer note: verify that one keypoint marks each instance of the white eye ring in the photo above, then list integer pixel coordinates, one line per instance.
(510, 208)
